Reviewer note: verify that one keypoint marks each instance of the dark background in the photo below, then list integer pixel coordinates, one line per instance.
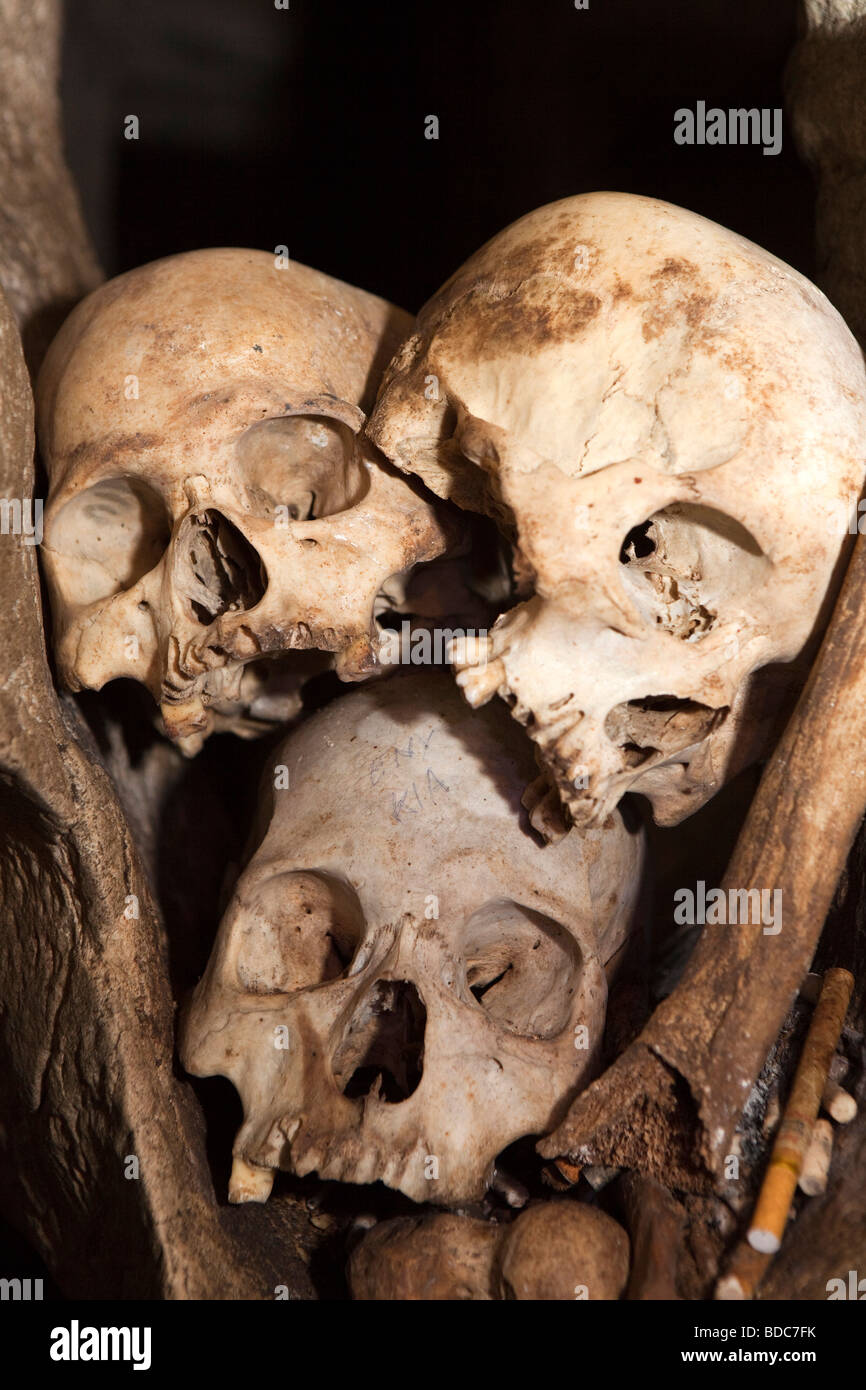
(305, 127)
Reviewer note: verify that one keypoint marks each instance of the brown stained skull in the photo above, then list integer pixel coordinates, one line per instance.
(670, 424)
(213, 503)
(407, 980)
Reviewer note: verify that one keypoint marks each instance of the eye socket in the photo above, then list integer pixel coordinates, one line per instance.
(688, 563)
(299, 930)
(119, 528)
(306, 463)
(522, 968)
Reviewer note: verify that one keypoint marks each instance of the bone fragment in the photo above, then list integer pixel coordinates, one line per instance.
(816, 1164)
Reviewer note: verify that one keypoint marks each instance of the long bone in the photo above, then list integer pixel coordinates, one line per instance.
(669, 1105)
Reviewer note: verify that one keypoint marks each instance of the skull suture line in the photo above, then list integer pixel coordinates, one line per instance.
(399, 986)
(665, 419)
(212, 498)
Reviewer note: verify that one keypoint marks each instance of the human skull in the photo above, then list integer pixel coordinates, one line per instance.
(213, 500)
(406, 979)
(669, 422)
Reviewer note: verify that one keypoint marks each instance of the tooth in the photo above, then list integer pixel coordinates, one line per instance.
(569, 745)
(244, 643)
(469, 651)
(586, 811)
(195, 662)
(289, 1128)
(185, 718)
(310, 1161)
(357, 660)
(480, 682)
(545, 812)
(249, 1182)
(191, 745)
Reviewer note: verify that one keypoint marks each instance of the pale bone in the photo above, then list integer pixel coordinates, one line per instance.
(816, 1164)
(610, 361)
(212, 498)
(839, 1104)
(401, 804)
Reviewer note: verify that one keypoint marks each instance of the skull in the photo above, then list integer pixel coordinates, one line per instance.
(212, 500)
(406, 980)
(669, 423)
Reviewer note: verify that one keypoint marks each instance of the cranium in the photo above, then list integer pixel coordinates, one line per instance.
(406, 980)
(668, 421)
(212, 499)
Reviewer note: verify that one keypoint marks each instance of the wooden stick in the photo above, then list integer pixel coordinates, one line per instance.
(801, 1112)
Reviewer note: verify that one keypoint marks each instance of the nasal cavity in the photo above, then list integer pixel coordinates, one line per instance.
(382, 1053)
(660, 724)
(225, 572)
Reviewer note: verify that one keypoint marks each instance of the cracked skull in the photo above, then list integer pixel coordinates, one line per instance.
(406, 979)
(669, 423)
(213, 503)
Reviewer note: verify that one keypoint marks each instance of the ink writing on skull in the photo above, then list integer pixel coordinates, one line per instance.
(422, 792)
